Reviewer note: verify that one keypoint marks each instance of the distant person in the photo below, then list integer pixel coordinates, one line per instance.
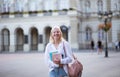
(92, 45)
(119, 45)
(116, 45)
(99, 44)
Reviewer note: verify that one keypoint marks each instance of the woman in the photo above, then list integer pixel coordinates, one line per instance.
(56, 43)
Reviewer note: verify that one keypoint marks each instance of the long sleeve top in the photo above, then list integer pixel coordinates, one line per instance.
(65, 60)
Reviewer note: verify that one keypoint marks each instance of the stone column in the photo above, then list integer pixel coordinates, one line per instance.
(40, 47)
(12, 43)
(26, 43)
(74, 33)
(26, 39)
(40, 43)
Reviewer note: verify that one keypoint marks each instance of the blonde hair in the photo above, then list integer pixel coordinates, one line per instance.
(51, 40)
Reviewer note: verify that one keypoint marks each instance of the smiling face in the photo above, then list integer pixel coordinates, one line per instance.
(56, 34)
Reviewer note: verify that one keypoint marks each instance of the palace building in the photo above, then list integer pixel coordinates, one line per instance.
(25, 24)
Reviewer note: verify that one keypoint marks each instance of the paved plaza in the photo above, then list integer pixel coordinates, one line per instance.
(33, 65)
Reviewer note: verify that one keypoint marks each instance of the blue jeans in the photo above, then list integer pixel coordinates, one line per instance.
(58, 72)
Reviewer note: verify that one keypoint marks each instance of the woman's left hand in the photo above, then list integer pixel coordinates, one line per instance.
(57, 61)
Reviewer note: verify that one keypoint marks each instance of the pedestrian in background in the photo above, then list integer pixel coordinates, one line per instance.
(92, 45)
(119, 45)
(116, 45)
(99, 44)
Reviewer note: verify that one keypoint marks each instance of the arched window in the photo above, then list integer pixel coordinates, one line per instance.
(5, 40)
(64, 30)
(100, 5)
(87, 6)
(101, 34)
(88, 34)
(19, 5)
(115, 6)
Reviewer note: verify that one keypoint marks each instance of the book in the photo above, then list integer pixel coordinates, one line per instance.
(55, 56)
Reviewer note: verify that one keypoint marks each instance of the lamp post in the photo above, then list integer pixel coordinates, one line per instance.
(106, 17)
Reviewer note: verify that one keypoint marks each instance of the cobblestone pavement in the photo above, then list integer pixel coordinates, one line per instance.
(33, 65)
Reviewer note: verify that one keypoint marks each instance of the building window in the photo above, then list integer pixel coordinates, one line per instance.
(119, 5)
(49, 5)
(5, 6)
(116, 7)
(39, 5)
(88, 34)
(101, 34)
(40, 38)
(26, 39)
(32, 5)
(87, 6)
(19, 5)
(63, 4)
(5, 40)
(100, 5)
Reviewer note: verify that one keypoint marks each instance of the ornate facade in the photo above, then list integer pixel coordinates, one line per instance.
(25, 24)
(89, 22)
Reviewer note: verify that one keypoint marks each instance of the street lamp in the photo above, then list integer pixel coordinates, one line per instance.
(106, 17)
